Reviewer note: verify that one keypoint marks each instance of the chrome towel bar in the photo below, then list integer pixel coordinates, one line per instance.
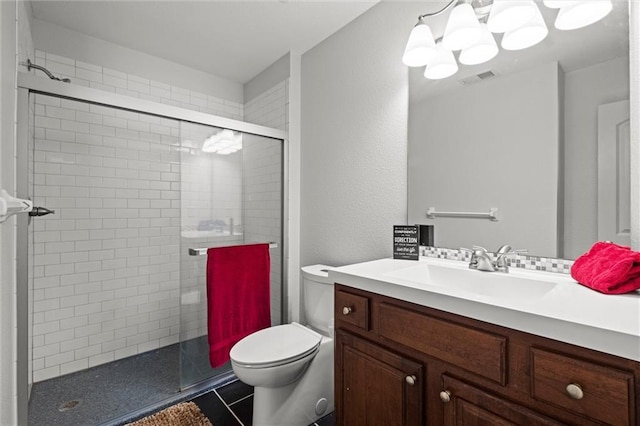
(202, 251)
(492, 215)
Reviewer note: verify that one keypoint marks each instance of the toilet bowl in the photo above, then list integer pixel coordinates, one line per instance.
(291, 365)
(275, 356)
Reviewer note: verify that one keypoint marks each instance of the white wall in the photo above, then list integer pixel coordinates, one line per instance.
(354, 138)
(585, 89)
(490, 144)
(8, 327)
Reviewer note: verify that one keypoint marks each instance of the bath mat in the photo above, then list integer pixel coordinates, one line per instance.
(183, 414)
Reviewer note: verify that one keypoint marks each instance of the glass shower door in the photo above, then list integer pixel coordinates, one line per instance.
(105, 267)
(231, 186)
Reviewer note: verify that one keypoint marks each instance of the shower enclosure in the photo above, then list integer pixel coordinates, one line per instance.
(113, 291)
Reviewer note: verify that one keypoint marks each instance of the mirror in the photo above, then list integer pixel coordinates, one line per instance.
(520, 134)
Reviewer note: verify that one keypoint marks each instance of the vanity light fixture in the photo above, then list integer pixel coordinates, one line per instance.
(471, 25)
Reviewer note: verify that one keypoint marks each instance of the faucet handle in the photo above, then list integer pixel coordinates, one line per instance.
(501, 260)
(517, 251)
(504, 249)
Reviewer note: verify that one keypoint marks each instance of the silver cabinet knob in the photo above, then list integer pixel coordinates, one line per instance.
(411, 380)
(346, 310)
(574, 391)
(445, 396)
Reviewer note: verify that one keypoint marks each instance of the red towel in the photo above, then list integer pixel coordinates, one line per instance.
(238, 296)
(608, 268)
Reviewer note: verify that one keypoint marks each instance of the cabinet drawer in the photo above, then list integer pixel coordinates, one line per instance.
(474, 350)
(352, 309)
(599, 392)
(464, 404)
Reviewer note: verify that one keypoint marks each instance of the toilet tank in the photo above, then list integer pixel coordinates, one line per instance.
(317, 291)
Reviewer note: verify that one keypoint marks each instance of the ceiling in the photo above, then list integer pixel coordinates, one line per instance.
(235, 40)
(238, 39)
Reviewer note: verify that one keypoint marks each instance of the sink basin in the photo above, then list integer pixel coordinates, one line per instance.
(496, 285)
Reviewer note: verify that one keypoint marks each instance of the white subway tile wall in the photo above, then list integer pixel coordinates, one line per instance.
(263, 205)
(106, 265)
(271, 108)
(211, 205)
(109, 80)
(109, 266)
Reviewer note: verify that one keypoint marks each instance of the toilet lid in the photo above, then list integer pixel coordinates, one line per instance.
(275, 345)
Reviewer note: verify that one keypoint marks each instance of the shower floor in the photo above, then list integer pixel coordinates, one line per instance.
(107, 393)
(114, 393)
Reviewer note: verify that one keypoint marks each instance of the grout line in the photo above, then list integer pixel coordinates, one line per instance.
(228, 408)
(241, 399)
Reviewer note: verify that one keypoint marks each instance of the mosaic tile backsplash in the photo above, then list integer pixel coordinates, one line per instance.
(536, 263)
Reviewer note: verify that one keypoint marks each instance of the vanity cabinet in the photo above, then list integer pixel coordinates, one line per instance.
(399, 363)
(379, 387)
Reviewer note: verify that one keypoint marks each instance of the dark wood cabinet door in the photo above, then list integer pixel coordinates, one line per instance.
(467, 405)
(376, 387)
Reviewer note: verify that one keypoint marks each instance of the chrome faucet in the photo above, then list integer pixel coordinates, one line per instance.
(500, 264)
(482, 260)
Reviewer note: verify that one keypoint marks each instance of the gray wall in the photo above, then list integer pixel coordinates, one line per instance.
(354, 140)
(585, 89)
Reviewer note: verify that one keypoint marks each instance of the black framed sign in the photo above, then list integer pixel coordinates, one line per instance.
(405, 242)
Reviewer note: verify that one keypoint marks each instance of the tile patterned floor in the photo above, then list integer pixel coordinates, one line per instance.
(232, 405)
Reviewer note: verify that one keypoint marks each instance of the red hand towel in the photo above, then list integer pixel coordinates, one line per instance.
(238, 296)
(608, 268)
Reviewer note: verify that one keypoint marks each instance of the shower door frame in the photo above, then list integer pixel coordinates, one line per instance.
(28, 84)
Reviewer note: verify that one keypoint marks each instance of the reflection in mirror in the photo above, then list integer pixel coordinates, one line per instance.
(520, 133)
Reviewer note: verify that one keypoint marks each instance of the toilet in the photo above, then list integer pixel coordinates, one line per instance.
(290, 366)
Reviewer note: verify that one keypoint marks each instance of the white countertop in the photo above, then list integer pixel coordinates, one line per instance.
(569, 312)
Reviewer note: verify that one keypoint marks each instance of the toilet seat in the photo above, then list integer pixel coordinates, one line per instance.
(275, 346)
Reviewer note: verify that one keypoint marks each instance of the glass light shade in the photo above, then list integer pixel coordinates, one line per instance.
(444, 65)
(557, 4)
(507, 15)
(482, 51)
(463, 28)
(530, 34)
(421, 48)
(582, 13)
